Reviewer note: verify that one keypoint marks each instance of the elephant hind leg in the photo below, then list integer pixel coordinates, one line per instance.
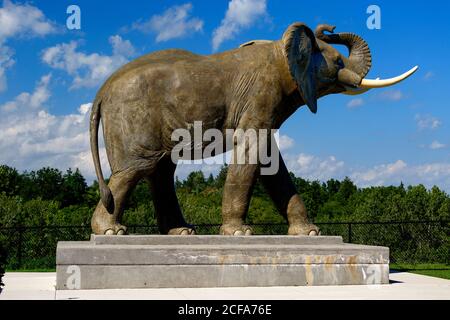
(290, 205)
(121, 184)
(168, 212)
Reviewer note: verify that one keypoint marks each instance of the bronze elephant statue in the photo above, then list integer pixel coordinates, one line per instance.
(258, 85)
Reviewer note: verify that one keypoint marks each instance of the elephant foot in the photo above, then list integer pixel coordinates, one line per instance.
(304, 230)
(183, 231)
(235, 230)
(111, 230)
(104, 223)
(116, 229)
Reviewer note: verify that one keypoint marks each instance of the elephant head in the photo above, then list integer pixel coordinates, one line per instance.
(319, 69)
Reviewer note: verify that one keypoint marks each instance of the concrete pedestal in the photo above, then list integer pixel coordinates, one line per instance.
(119, 262)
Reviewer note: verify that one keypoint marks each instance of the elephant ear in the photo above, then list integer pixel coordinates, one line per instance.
(299, 48)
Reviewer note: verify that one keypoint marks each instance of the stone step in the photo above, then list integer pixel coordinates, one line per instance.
(210, 261)
(213, 240)
(212, 276)
(89, 254)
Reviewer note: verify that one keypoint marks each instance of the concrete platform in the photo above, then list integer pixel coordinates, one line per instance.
(128, 262)
(403, 286)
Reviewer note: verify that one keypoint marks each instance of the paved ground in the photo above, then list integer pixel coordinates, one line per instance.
(403, 286)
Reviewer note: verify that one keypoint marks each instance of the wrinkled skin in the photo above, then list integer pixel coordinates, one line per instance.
(256, 86)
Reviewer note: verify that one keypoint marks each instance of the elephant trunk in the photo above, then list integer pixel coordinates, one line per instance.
(360, 58)
(358, 64)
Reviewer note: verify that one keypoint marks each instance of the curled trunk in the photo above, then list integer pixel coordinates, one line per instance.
(360, 58)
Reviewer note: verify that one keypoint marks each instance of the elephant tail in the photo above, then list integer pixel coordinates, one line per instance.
(105, 191)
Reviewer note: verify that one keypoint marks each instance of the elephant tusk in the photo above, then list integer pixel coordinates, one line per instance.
(355, 91)
(371, 84)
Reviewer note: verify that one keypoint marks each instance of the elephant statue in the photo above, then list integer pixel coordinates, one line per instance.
(258, 85)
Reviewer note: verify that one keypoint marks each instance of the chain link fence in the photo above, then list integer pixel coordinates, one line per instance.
(409, 241)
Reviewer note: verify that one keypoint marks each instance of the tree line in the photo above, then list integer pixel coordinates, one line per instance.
(51, 197)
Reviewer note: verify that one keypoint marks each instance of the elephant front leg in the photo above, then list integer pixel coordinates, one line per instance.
(236, 198)
(290, 205)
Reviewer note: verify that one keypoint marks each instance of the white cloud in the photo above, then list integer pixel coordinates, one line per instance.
(33, 138)
(315, 168)
(121, 47)
(175, 22)
(355, 103)
(392, 95)
(19, 21)
(22, 20)
(427, 122)
(6, 61)
(88, 70)
(312, 167)
(241, 14)
(429, 174)
(285, 142)
(25, 100)
(437, 145)
(379, 174)
(429, 75)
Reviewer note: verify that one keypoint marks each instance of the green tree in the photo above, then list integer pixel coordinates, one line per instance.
(10, 211)
(178, 183)
(28, 187)
(9, 180)
(49, 183)
(73, 188)
(346, 189)
(78, 215)
(416, 201)
(262, 210)
(141, 195)
(332, 187)
(258, 190)
(222, 176)
(314, 197)
(201, 208)
(195, 182)
(92, 195)
(330, 211)
(38, 212)
(143, 214)
(210, 181)
(301, 184)
(368, 205)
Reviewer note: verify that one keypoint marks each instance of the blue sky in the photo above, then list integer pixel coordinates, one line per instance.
(49, 75)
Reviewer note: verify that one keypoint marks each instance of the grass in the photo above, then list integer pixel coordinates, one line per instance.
(31, 270)
(433, 270)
